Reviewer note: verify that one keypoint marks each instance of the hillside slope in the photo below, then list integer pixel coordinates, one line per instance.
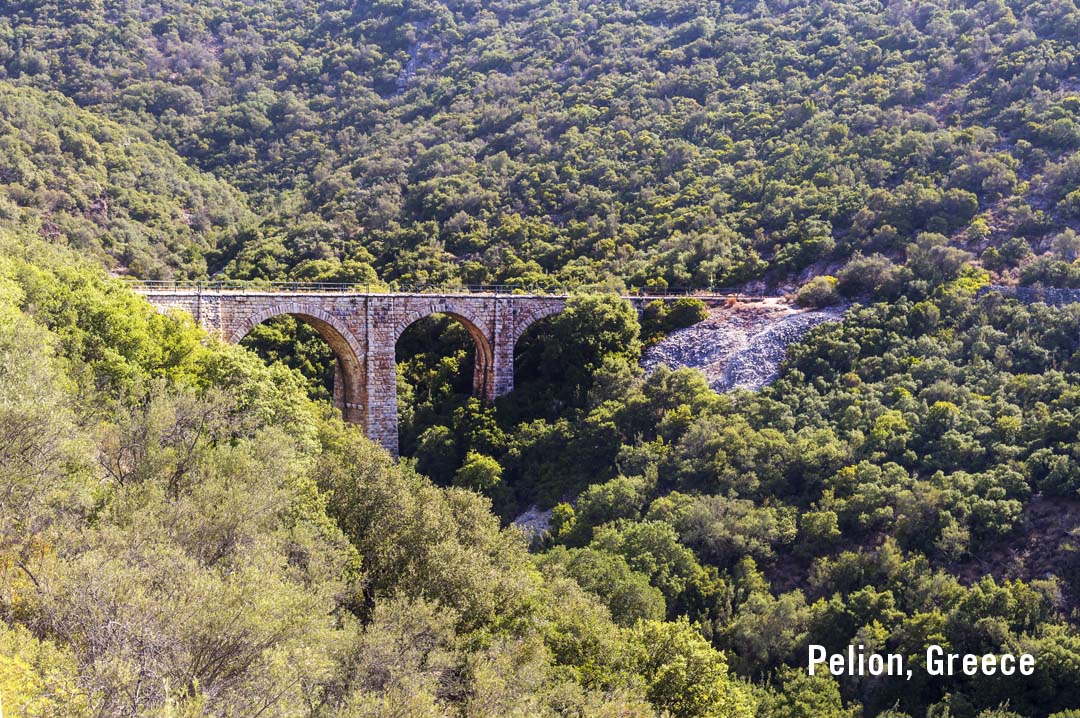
(687, 142)
(109, 191)
(183, 533)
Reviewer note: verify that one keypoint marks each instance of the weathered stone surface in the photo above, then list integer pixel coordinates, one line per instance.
(363, 330)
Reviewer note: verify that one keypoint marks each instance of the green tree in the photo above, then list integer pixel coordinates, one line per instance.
(685, 676)
(479, 472)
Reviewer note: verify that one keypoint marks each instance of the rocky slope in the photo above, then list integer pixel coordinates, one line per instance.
(739, 346)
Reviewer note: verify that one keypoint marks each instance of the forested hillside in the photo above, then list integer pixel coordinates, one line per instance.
(189, 529)
(184, 533)
(76, 178)
(665, 143)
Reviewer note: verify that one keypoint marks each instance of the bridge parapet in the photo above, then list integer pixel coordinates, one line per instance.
(257, 286)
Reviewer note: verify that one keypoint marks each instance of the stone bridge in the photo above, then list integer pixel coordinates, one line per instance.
(363, 328)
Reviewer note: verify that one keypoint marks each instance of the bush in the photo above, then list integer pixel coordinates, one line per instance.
(819, 529)
(626, 593)
(874, 275)
(479, 472)
(685, 312)
(818, 292)
(660, 318)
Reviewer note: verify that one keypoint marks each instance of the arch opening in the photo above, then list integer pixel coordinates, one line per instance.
(534, 373)
(443, 359)
(320, 348)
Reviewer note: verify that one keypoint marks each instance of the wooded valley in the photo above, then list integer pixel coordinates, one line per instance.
(189, 528)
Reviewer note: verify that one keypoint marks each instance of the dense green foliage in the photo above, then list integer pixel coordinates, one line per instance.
(150, 474)
(676, 143)
(909, 480)
(184, 533)
(112, 192)
(186, 530)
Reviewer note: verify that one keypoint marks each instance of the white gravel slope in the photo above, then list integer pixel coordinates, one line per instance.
(738, 347)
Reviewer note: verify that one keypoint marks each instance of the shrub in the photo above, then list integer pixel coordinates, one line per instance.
(479, 472)
(685, 312)
(818, 292)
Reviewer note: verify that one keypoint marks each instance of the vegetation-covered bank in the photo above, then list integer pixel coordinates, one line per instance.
(73, 177)
(183, 532)
(909, 480)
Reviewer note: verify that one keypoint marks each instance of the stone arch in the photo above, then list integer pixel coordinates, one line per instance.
(484, 362)
(350, 379)
(531, 314)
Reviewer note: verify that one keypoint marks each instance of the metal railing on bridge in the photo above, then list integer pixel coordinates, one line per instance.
(232, 285)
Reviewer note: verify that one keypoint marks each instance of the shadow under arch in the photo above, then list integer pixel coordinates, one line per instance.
(534, 373)
(350, 379)
(484, 351)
